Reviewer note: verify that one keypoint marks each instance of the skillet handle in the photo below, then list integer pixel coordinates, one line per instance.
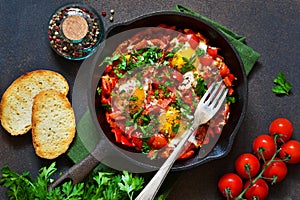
(78, 171)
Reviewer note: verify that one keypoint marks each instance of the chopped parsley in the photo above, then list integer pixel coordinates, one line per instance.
(133, 98)
(200, 52)
(106, 106)
(200, 87)
(110, 60)
(99, 91)
(188, 66)
(231, 99)
(175, 128)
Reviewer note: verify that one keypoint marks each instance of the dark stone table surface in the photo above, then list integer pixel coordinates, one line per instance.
(271, 28)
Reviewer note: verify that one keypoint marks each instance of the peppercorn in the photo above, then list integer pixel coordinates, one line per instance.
(103, 13)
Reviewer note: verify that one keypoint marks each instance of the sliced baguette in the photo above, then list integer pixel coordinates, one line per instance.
(53, 124)
(17, 100)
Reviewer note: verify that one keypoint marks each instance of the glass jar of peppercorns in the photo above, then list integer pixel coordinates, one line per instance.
(74, 31)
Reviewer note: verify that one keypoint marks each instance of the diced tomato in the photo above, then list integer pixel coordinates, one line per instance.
(177, 75)
(158, 141)
(206, 60)
(224, 70)
(187, 154)
(105, 100)
(171, 88)
(106, 85)
(227, 81)
(154, 109)
(193, 40)
(212, 51)
(230, 91)
(226, 112)
(137, 142)
(231, 77)
(125, 141)
(113, 82)
(165, 102)
(188, 96)
(118, 134)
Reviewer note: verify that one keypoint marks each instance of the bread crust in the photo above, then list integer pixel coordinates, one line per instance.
(53, 124)
(17, 100)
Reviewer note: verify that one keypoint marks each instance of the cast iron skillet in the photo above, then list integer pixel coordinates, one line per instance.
(106, 148)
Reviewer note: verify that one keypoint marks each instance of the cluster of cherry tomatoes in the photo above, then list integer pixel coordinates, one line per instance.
(266, 164)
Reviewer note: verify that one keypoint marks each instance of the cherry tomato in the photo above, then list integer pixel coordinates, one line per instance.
(259, 190)
(264, 146)
(282, 127)
(247, 165)
(290, 151)
(276, 171)
(230, 185)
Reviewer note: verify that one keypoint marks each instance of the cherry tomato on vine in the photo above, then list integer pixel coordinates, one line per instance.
(247, 165)
(276, 171)
(282, 127)
(264, 147)
(230, 185)
(290, 151)
(259, 190)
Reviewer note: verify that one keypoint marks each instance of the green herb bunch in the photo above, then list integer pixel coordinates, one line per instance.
(99, 185)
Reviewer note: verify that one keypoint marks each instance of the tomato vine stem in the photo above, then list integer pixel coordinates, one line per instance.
(260, 175)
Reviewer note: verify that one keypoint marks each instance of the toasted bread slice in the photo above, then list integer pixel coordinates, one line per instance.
(53, 124)
(17, 100)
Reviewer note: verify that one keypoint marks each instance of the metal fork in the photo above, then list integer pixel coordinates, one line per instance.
(208, 106)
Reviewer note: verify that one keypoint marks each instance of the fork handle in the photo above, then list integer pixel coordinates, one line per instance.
(151, 189)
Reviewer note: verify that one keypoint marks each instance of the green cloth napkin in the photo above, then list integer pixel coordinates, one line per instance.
(85, 128)
(247, 54)
(85, 140)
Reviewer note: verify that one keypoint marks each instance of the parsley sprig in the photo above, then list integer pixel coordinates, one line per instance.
(282, 86)
(100, 185)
